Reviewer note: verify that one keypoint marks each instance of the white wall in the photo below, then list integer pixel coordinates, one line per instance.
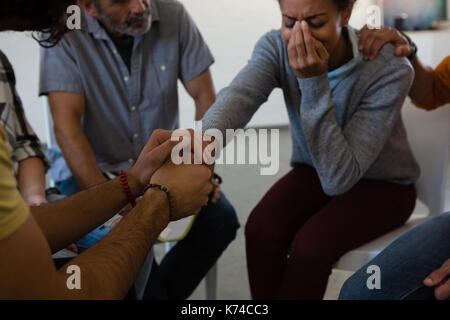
(231, 29)
(23, 52)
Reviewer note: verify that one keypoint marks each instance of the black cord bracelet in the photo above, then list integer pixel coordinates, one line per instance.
(166, 191)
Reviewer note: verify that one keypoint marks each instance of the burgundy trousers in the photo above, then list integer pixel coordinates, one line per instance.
(297, 233)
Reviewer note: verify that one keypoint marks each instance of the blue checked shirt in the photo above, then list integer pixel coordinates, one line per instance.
(123, 108)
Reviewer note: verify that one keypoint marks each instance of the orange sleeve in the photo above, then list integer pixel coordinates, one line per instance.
(440, 94)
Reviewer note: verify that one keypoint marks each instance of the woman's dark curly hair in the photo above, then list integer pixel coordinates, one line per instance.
(48, 16)
(344, 4)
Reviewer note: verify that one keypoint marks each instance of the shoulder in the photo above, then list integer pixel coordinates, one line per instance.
(273, 39)
(271, 43)
(387, 62)
(168, 8)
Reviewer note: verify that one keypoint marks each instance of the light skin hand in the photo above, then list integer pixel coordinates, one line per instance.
(372, 40)
(440, 280)
(307, 56)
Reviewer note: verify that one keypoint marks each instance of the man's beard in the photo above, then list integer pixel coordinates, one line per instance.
(127, 28)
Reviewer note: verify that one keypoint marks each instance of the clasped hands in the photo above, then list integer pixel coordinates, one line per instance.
(189, 184)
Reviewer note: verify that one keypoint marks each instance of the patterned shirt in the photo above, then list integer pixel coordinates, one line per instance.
(21, 137)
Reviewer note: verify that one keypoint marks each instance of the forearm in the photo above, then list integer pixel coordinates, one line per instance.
(122, 253)
(31, 179)
(79, 155)
(203, 103)
(67, 220)
(423, 81)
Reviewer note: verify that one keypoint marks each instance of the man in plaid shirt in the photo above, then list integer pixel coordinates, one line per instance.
(27, 155)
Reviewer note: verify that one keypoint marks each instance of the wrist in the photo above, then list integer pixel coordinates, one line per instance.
(136, 185)
(160, 202)
(412, 45)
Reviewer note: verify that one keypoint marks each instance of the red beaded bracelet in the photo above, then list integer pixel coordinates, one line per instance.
(127, 189)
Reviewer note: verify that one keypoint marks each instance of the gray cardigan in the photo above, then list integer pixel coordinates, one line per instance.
(347, 132)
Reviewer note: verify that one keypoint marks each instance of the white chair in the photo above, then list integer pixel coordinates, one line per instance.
(429, 137)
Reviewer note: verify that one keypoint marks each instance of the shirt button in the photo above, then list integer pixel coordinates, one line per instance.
(115, 52)
(163, 68)
(130, 161)
(136, 136)
(133, 108)
(125, 79)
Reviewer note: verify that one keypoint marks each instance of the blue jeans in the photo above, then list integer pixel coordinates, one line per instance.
(405, 263)
(183, 267)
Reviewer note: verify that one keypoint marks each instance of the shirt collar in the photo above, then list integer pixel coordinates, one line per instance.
(340, 73)
(91, 25)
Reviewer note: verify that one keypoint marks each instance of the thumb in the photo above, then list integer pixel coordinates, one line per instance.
(437, 276)
(161, 153)
(403, 50)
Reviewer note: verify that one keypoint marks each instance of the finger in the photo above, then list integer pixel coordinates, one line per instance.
(73, 247)
(322, 52)
(367, 47)
(216, 196)
(377, 44)
(292, 51)
(300, 45)
(438, 275)
(403, 50)
(162, 153)
(442, 292)
(158, 137)
(362, 37)
(311, 54)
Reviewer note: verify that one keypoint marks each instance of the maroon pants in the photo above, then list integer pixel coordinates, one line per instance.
(297, 233)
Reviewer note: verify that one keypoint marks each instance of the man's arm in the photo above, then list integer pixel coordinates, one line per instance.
(201, 89)
(423, 81)
(69, 219)
(67, 110)
(31, 180)
(107, 270)
(64, 221)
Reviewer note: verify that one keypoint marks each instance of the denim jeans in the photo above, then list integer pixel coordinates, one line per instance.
(183, 267)
(405, 263)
